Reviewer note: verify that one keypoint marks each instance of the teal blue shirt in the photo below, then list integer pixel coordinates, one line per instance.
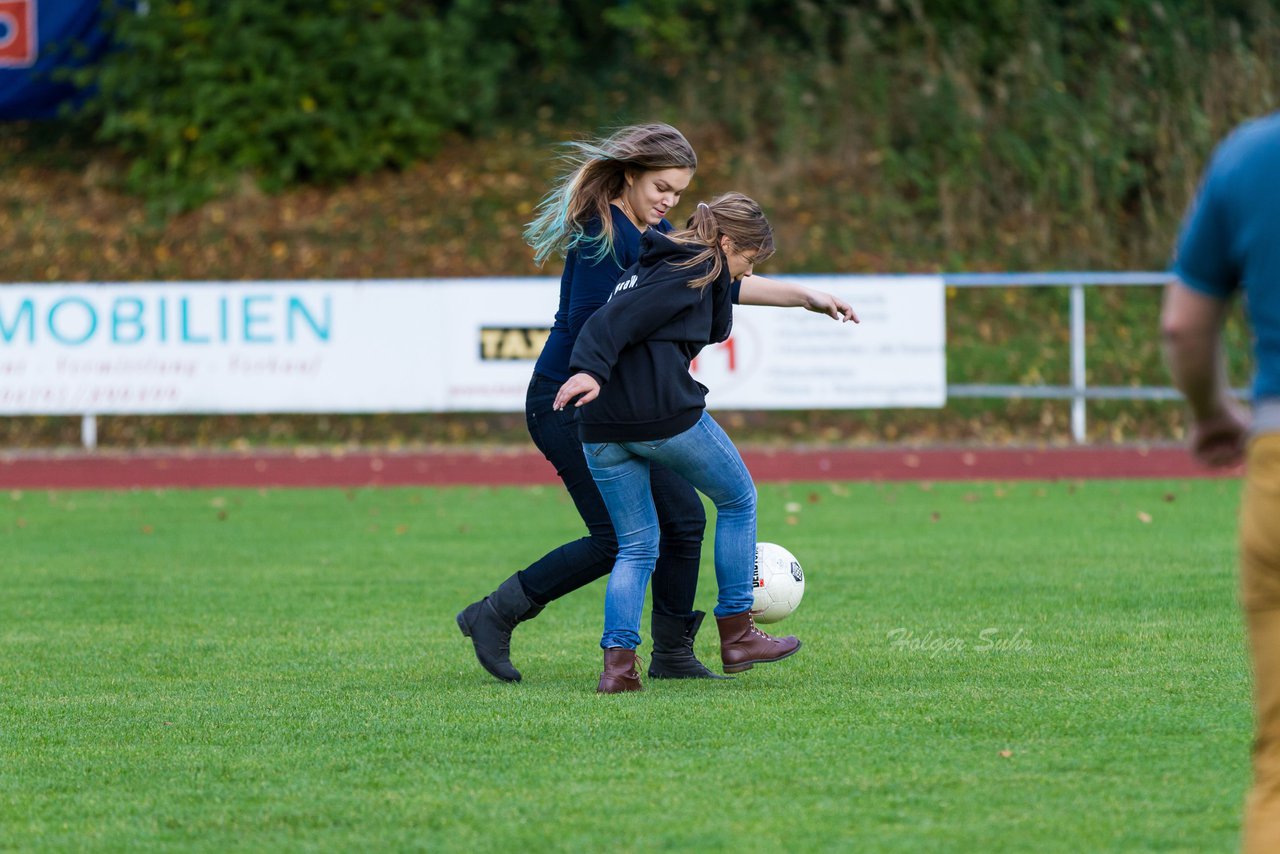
(1230, 240)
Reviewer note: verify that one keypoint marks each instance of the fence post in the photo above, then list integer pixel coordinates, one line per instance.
(1078, 427)
(89, 432)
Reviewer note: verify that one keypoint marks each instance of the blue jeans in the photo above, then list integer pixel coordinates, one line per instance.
(579, 562)
(704, 456)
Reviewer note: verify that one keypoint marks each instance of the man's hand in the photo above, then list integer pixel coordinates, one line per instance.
(1219, 440)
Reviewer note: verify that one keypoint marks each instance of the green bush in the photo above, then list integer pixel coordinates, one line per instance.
(199, 91)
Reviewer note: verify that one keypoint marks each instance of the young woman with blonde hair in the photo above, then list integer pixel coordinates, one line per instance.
(614, 190)
(641, 408)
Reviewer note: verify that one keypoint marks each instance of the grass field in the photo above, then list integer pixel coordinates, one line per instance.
(987, 667)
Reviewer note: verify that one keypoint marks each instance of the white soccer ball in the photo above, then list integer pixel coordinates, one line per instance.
(778, 583)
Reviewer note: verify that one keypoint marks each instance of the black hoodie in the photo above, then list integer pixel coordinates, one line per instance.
(640, 343)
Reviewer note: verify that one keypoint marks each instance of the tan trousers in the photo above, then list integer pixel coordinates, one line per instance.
(1260, 596)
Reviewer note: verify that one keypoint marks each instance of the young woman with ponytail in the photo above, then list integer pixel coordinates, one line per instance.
(614, 190)
(640, 408)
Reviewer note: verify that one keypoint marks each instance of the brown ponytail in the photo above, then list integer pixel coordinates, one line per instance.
(732, 215)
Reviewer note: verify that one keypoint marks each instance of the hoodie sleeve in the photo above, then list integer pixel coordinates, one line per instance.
(628, 318)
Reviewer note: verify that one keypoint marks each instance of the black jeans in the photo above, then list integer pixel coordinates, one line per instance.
(680, 516)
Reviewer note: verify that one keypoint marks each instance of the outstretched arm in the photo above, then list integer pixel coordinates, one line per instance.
(759, 290)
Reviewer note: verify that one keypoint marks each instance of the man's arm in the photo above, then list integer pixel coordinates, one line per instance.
(1191, 327)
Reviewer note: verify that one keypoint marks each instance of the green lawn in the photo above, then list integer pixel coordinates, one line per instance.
(280, 669)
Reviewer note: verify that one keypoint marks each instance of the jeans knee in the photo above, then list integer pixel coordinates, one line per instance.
(603, 536)
(685, 529)
(642, 550)
(743, 502)
(604, 546)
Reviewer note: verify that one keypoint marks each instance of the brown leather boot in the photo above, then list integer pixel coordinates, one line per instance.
(742, 645)
(619, 672)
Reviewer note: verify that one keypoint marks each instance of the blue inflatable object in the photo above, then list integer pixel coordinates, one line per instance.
(37, 38)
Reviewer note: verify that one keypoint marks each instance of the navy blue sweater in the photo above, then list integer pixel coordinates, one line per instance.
(640, 343)
(585, 285)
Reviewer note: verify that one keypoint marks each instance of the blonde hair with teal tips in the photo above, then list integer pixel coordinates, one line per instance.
(596, 173)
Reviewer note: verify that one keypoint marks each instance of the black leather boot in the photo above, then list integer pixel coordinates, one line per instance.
(673, 656)
(490, 621)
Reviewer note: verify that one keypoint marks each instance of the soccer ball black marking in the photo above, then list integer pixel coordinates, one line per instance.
(777, 583)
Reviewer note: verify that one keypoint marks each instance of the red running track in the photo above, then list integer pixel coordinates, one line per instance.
(177, 469)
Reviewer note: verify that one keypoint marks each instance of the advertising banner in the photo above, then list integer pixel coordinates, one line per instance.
(423, 346)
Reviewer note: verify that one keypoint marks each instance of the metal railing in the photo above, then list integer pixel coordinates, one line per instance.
(1079, 392)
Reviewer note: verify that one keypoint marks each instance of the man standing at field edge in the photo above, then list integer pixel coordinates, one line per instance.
(1230, 242)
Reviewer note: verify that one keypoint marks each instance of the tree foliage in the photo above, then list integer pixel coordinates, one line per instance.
(957, 106)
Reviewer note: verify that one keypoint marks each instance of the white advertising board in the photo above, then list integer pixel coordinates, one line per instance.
(217, 347)
(422, 346)
(795, 359)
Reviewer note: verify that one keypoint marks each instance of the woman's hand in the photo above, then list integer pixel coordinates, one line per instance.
(760, 290)
(578, 384)
(830, 305)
